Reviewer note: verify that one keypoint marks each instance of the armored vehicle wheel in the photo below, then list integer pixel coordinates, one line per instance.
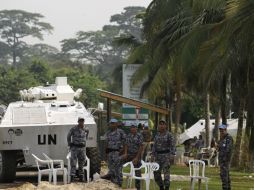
(7, 166)
(95, 163)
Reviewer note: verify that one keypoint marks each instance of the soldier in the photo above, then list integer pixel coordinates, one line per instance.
(225, 151)
(163, 148)
(134, 143)
(76, 139)
(115, 139)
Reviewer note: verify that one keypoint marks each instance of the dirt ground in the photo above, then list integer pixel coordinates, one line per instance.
(28, 181)
(99, 184)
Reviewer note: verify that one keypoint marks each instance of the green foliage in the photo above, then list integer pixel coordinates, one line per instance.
(37, 73)
(240, 180)
(11, 81)
(192, 110)
(79, 78)
(40, 71)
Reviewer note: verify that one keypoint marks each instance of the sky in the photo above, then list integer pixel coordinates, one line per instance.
(70, 16)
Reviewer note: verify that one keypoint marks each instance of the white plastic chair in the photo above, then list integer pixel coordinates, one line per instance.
(149, 167)
(39, 162)
(128, 175)
(57, 169)
(207, 155)
(86, 167)
(197, 172)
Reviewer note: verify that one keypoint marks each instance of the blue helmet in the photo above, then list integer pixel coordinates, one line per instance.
(222, 126)
(113, 120)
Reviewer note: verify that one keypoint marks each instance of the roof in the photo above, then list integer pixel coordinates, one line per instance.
(134, 102)
(199, 127)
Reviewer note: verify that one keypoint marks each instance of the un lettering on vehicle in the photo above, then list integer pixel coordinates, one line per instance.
(47, 139)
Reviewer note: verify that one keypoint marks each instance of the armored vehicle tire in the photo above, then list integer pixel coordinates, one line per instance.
(95, 162)
(7, 166)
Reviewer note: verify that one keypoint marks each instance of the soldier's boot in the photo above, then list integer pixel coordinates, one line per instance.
(81, 178)
(161, 188)
(166, 188)
(107, 177)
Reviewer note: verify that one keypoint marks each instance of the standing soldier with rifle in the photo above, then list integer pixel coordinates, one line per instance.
(76, 139)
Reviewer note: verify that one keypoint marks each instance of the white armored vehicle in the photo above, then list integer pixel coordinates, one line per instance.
(39, 123)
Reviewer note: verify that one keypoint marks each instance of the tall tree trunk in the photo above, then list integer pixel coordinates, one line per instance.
(224, 100)
(250, 121)
(250, 112)
(169, 100)
(237, 150)
(207, 119)
(178, 110)
(156, 116)
(14, 49)
(14, 57)
(216, 125)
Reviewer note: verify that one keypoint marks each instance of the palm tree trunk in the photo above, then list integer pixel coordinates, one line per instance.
(250, 112)
(224, 100)
(237, 151)
(207, 119)
(178, 111)
(250, 120)
(216, 125)
(169, 100)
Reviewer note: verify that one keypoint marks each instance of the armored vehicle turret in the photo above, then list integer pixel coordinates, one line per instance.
(39, 123)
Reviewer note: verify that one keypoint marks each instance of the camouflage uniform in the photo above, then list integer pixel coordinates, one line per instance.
(163, 148)
(76, 139)
(225, 152)
(115, 142)
(133, 143)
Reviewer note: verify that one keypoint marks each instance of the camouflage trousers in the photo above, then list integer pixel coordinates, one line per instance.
(224, 174)
(77, 155)
(137, 172)
(115, 167)
(164, 161)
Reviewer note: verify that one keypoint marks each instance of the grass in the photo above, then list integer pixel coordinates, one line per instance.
(239, 180)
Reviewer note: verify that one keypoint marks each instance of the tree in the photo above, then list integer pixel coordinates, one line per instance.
(18, 24)
(12, 80)
(128, 21)
(43, 52)
(97, 47)
(4, 52)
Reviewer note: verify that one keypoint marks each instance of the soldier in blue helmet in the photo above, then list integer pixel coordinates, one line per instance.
(163, 149)
(134, 144)
(225, 147)
(76, 139)
(115, 139)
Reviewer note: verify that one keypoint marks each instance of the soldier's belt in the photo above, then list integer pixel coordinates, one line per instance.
(108, 150)
(78, 145)
(163, 151)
